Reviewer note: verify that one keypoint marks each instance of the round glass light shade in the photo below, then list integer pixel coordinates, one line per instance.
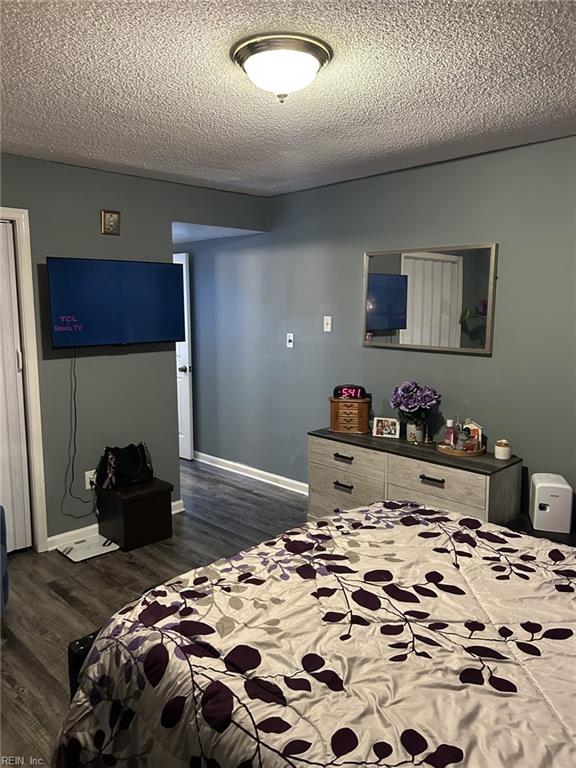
(281, 71)
(283, 63)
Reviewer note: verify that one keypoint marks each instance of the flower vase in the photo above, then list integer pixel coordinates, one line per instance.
(414, 432)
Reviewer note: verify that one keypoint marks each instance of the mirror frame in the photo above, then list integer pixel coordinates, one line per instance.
(485, 351)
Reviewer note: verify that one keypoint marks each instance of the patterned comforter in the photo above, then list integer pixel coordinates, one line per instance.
(393, 635)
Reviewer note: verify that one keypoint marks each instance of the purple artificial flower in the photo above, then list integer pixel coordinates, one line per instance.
(429, 397)
(403, 396)
(414, 400)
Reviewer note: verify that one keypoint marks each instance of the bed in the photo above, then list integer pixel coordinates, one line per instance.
(391, 635)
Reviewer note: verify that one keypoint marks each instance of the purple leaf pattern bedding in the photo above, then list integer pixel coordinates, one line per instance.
(393, 635)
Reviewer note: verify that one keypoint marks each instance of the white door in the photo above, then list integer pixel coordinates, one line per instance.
(434, 299)
(184, 370)
(14, 483)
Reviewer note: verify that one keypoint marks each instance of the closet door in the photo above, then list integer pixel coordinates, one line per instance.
(14, 485)
(434, 299)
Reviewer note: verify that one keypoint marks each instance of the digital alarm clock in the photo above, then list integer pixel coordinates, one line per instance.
(349, 392)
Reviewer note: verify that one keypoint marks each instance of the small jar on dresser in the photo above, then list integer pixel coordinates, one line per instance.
(346, 471)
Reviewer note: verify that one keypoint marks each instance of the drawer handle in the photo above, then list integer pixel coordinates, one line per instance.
(343, 457)
(343, 486)
(434, 480)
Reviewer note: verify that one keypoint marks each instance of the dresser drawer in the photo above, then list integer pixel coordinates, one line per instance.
(348, 488)
(361, 461)
(437, 481)
(396, 493)
(322, 505)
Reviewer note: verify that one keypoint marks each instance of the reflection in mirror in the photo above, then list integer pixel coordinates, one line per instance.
(438, 299)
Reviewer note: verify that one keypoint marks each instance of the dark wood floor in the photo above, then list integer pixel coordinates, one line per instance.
(53, 601)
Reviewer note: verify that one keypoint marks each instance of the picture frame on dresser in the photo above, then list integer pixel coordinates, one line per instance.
(384, 426)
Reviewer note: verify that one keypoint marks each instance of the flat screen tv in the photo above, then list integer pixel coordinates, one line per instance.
(386, 304)
(96, 302)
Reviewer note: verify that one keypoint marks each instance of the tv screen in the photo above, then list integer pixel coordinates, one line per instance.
(96, 302)
(386, 304)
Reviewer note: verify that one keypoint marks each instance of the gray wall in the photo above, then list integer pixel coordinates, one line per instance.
(255, 399)
(123, 396)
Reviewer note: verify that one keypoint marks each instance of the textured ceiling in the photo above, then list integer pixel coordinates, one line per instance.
(149, 88)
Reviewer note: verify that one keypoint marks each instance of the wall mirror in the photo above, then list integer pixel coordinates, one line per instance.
(438, 299)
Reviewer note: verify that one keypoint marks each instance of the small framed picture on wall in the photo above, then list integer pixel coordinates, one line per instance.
(385, 427)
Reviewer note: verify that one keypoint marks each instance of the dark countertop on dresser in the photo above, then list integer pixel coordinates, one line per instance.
(481, 465)
(523, 524)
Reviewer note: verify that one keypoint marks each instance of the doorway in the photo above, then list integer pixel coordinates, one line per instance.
(18, 217)
(184, 370)
(14, 480)
(187, 238)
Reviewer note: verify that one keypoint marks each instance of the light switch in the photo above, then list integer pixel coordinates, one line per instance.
(290, 340)
(327, 323)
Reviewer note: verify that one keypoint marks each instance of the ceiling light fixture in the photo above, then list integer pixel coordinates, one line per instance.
(281, 64)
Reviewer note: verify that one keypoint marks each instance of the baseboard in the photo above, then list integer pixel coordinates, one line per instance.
(63, 539)
(257, 474)
(177, 507)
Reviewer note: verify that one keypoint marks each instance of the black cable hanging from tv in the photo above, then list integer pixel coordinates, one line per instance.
(70, 473)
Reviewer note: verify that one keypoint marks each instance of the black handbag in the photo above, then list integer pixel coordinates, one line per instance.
(123, 467)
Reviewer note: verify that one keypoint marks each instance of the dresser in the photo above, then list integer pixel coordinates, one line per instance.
(346, 471)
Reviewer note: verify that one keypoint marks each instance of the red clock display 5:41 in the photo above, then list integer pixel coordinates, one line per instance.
(349, 392)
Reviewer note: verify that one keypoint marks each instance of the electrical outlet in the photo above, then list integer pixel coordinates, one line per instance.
(290, 340)
(89, 478)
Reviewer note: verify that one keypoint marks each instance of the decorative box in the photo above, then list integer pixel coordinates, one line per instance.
(349, 415)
